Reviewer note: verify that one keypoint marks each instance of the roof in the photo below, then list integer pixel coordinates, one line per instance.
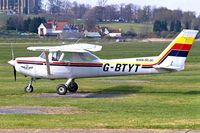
(48, 26)
(59, 24)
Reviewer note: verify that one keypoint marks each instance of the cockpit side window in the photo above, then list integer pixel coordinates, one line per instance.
(86, 57)
(78, 57)
(67, 57)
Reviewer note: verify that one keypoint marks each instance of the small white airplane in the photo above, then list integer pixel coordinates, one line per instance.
(77, 61)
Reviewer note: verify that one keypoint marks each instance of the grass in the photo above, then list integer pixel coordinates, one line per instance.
(166, 101)
(138, 28)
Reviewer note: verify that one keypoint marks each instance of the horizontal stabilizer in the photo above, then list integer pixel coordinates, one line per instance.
(167, 67)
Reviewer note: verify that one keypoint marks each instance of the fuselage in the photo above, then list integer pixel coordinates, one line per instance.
(36, 67)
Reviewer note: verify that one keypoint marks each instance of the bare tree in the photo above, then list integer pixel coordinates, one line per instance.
(66, 6)
(90, 19)
(102, 3)
(55, 6)
(187, 19)
(111, 12)
(196, 23)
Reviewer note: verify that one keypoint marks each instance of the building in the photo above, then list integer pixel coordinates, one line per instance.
(92, 34)
(113, 33)
(19, 6)
(52, 28)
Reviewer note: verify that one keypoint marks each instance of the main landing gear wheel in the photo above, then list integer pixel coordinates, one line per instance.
(73, 87)
(61, 89)
(28, 89)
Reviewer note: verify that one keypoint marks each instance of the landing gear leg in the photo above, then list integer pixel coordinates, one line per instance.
(29, 87)
(70, 86)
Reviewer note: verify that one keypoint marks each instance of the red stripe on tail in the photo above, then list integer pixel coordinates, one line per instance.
(184, 47)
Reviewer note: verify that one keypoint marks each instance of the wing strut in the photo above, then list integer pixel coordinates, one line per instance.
(47, 63)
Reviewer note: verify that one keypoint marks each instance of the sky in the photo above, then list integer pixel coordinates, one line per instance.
(185, 5)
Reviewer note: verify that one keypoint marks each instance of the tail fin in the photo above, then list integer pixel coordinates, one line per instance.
(174, 56)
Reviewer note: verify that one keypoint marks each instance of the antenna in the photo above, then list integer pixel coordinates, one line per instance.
(77, 40)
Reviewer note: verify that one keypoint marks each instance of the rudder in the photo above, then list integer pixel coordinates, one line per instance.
(174, 56)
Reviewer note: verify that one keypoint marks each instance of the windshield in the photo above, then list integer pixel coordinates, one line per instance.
(42, 55)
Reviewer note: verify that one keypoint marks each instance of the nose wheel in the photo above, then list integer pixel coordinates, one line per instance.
(29, 87)
(70, 86)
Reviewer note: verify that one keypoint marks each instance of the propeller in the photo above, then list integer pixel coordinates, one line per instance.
(13, 59)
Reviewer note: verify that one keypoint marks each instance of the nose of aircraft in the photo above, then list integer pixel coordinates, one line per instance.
(12, 62)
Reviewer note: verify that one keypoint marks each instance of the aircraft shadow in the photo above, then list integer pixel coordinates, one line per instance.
(118, 91)
(104, 93)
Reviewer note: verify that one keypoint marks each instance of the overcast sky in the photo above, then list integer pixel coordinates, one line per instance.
(185, 5)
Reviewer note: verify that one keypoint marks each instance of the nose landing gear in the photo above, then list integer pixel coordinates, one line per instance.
(29, 87)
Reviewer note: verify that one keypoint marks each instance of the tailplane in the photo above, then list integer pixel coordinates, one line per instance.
(174, 56)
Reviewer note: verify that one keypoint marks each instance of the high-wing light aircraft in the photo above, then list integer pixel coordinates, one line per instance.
(77, 61)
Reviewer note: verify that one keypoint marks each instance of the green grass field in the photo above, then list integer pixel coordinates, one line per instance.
(138, 28)
(166, 101)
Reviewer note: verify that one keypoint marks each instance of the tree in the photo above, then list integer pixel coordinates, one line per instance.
(178, 26)
(26, 24)
(55, 6)
(157, 26)
(164, 26)
(196, 23)
(101, 5)
(145, 14)
(187, 19)
(15, 23)
(128, 12)
(75, 9)
(162, 14)
(38, 6)
(111, 13)
(35, 23)
(172, 26)
(90, 20)
(160, 26)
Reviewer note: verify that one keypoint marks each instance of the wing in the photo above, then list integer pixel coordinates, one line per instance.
(81, 47)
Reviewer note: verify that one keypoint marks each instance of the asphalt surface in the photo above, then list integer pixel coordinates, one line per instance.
(95, 131)
(80, 95)
(39, 110)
